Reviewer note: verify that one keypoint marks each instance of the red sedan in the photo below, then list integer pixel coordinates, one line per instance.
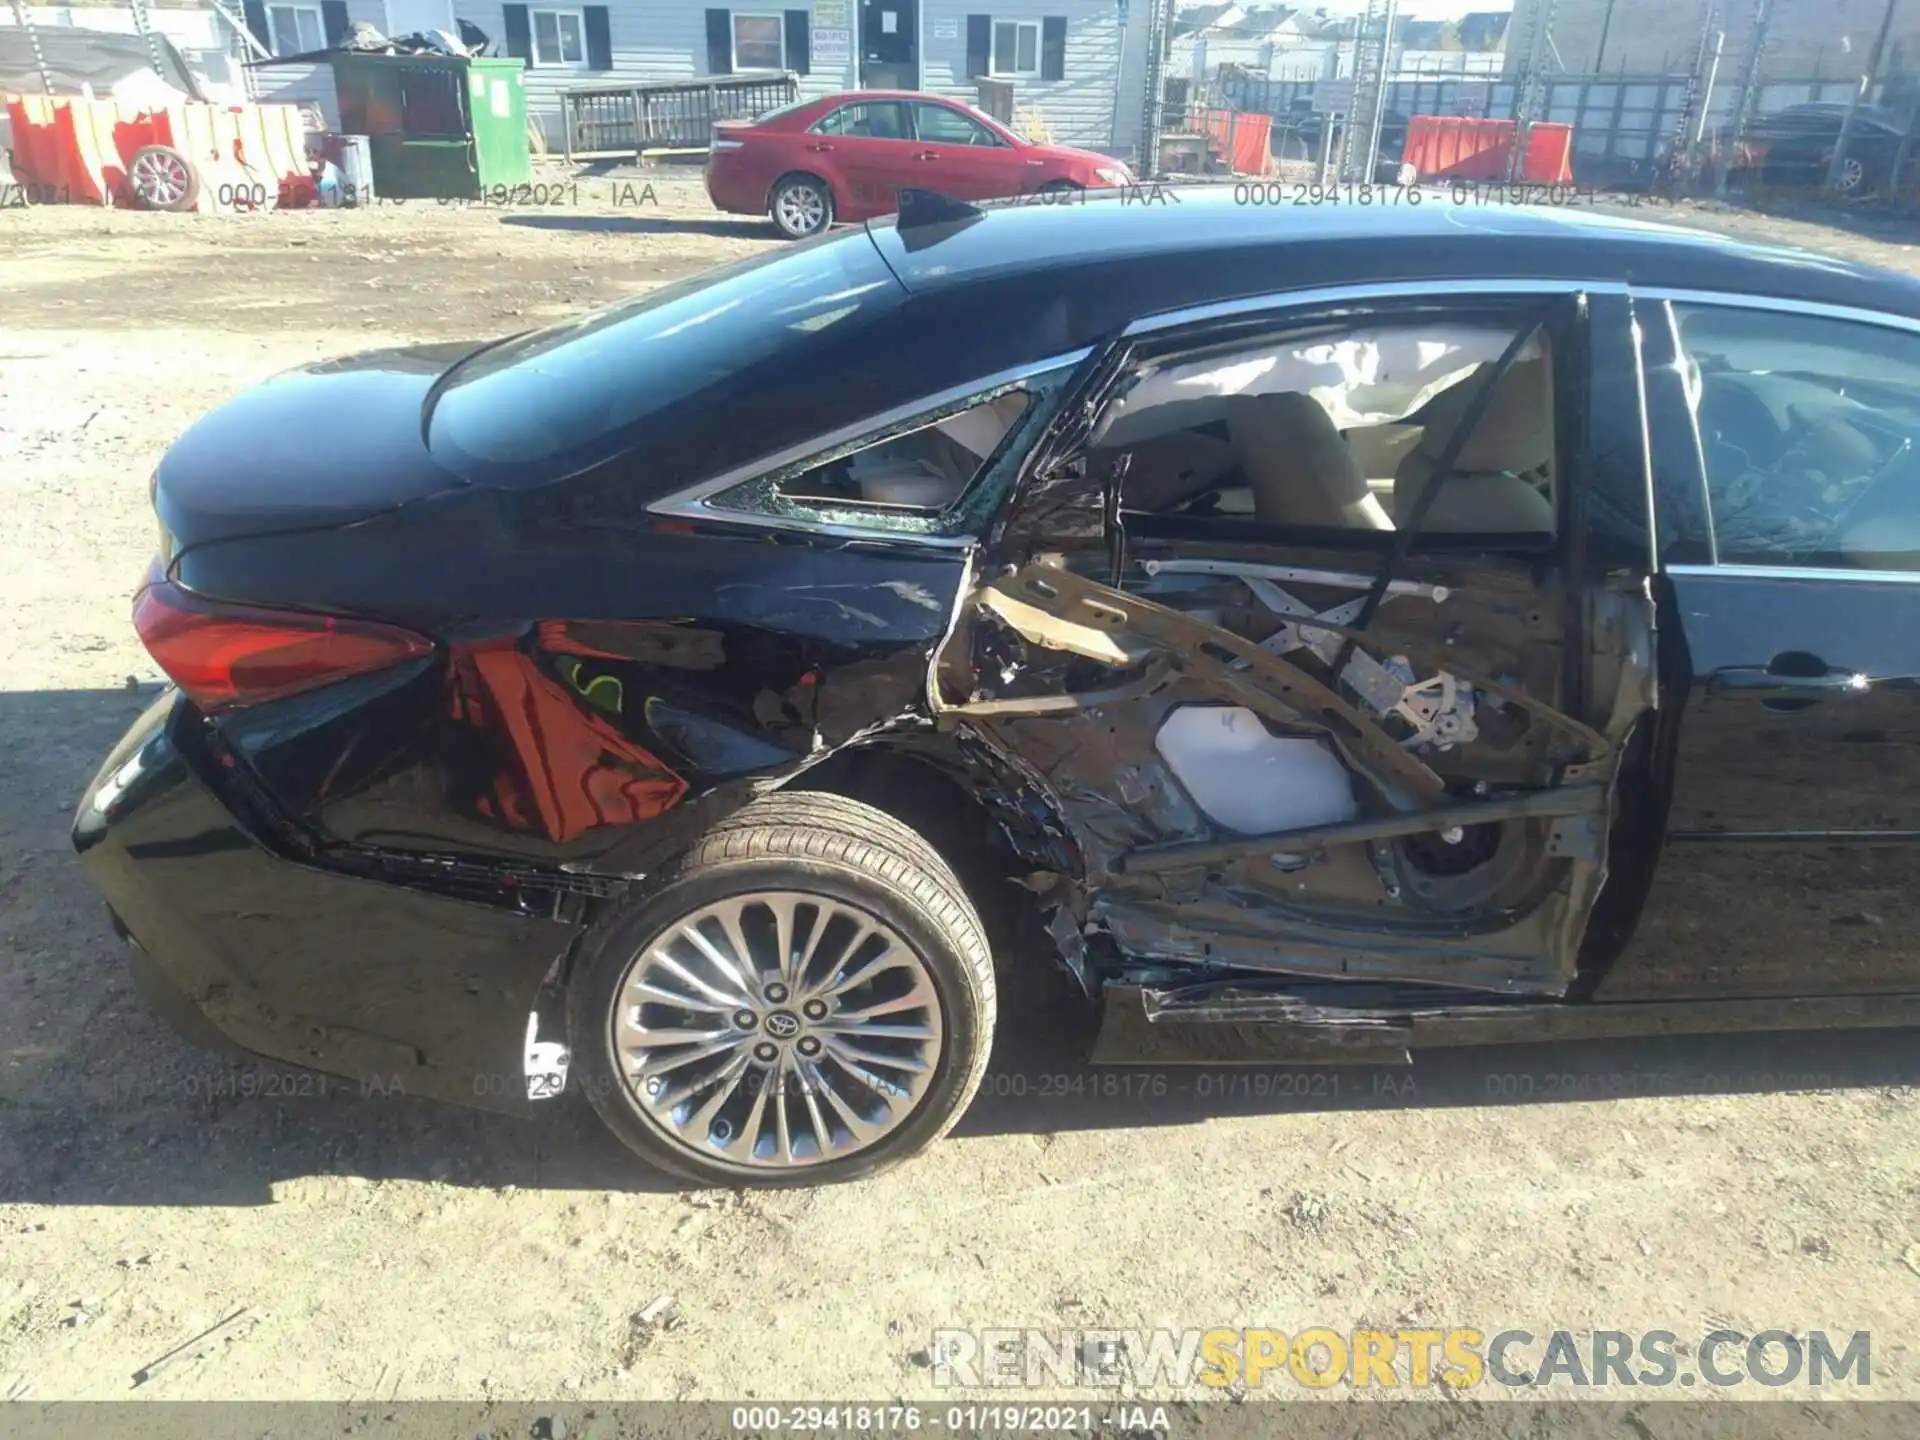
(846, 158)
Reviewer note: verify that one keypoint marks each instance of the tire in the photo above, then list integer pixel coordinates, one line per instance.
(800, 206)
(797, 849)
(1857, 180)
(161, 178)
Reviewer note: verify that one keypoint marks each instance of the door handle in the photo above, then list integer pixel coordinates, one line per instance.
(1834, 680)
(818, 148)
(927, 155)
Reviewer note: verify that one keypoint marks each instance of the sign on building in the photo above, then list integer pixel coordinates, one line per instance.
(1333, 97)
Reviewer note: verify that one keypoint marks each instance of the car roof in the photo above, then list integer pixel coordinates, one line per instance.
(1833, 110)
(1147, 249)
(848, 97)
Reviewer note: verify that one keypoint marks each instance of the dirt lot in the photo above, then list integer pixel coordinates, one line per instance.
(385, 1247)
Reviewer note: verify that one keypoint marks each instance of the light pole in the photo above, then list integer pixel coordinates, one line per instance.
(1600, 51)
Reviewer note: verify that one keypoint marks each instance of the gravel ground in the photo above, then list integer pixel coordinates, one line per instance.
(382, 1247)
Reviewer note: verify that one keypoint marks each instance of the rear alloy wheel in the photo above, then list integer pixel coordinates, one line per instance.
(808, 997)
(1852, 179)
(801, 206)
(161, 178)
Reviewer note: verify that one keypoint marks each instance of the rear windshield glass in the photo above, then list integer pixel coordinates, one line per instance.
(553, 402)
(782, 111)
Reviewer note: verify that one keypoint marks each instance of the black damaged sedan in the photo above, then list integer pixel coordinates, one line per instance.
(1322, 633)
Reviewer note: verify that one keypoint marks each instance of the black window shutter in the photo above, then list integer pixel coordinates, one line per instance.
(519, 32)
(333, 18)
(1053, 48)
(599, 39)
(719, 42)
(257, 22)
(979, 45)
(799, 46)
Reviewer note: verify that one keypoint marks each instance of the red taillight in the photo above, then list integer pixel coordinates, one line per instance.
(226, 655)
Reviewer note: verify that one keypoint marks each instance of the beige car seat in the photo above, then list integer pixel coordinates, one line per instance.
(1379, 449)
(1298, 465)
(1487, 491)
(1885, 542)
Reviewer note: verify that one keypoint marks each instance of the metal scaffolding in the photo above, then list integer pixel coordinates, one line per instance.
(1159, 38)
(25, 22)
(1533, 45)
(243, 45)
(1748, 94)
(1372, 57)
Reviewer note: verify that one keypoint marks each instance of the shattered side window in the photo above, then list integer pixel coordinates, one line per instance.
(1342, 428)
(939, 473)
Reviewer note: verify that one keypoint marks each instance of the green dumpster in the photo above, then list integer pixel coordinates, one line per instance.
(439, 127)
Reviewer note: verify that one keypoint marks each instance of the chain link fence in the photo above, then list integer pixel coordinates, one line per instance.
(1746, 107)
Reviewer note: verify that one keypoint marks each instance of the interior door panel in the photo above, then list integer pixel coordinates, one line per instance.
(1263, 771)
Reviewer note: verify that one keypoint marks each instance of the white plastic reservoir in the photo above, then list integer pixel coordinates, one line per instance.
(1249, 780)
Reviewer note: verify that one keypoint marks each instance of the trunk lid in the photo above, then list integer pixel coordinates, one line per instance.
(321, 446)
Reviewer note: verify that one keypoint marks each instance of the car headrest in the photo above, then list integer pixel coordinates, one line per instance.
(982, 428)
(1298, 465)
(1516, 429)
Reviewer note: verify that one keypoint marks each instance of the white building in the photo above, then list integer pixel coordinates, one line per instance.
(1316, 42)
(1078, 66)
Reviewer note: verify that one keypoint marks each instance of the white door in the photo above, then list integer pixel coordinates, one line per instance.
(411, 17)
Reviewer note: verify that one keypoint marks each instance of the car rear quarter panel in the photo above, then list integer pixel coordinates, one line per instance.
(601, 695)
(739, 180)
(412, 992)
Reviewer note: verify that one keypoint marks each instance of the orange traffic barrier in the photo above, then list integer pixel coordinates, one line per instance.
(1449, 147)
(34, 149)
(1243, 140)
(75, 150)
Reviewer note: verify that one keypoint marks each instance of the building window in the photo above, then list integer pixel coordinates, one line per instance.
(1016, 47)
(759, 42)
(559, 37)
(296, 29)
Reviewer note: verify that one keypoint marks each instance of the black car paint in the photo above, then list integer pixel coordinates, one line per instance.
(392, 985)
(328, 444)
(740, 657)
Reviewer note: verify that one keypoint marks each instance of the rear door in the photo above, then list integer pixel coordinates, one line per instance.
(1791, 507)
(1300, 720)
(958, 156)
(866, 150)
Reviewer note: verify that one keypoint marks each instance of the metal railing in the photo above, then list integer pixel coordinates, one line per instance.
(600, 121)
